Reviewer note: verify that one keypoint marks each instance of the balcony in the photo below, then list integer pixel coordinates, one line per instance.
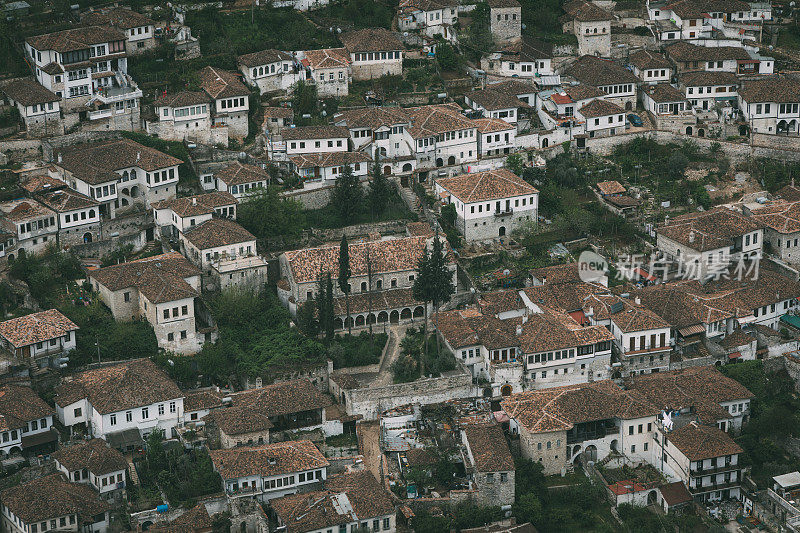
(715, 486)
(109, 95)
(715, 470)
(504, 212)
(100, 113)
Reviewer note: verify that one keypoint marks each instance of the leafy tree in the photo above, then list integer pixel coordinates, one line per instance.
(477, 39)
(307, 318)
(266, 214)
(347, 196)
(425, 522)
(344, 276)
(676, 165)
(449, 217)
(528, 508)
(156, 457)
(446, 56)
(305, 99)
(379, 191)
(515, 164)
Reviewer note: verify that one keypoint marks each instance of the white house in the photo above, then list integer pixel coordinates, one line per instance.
(185, 115)
(374, 52)
(328, 166)
(217, 239)
(139, 29)
(664, 99)
(43, 338)
(238, 179)
(78, 215)
(431, 17)
(231, 100)
(706, 90)
(523, 58)
(315, 139)
(613, 79)
(96, 464)
(121, 403)
(328, 69)
(35, 225)
(602, 118)
(173, 217)
(28, 421)
(270, 70)
(650, 67)
(496, 136)
(39, 108)
(771, 105)
(591, 25)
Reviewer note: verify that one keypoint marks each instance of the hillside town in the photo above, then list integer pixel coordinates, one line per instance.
(415, 266)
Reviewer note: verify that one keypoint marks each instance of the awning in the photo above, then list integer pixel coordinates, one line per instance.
(123, 439)
(791, 320)
(646, 275)
(734, 355)
(38, 439)
(691, 330)
(579, 317)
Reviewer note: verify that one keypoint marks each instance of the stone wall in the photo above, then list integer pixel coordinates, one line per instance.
(100, 248)
(370, 402)
(789, 363)
(21, 150)
(51, 145)
(496, 492)
(44, 125)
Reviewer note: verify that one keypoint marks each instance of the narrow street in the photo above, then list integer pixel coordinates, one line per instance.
(369, 446)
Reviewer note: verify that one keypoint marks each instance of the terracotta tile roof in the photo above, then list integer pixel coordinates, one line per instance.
(239, 420)
(22, 210)
(66, 200)
(315, 132)
(527, 50)
(581, 91)
(683, 51)
(51, 497)
(779, 89)
(327, 58)
(419, 229)
(121, 386)
(702, 388)
(600, 108)
(636, 318)
(560, 408)
(282, 398)
(708, 230)
(699, 9)
(199, 204)
(29, 92)
(195, 520)
(217, 232)
(329, 159)
(427, 5)
(269, 460)
(584, 11)
(182, 99)
(431, 120)
(41, 183)
(704, 78)
(489, 448)
(504, 3)
(663, 92)
(347, 498)
(75, 39)
(493, 100)
(675, 493)
(19, 405)
(238, 173)
(118, 17)
(736, 339)
(563, 296)
(610, 187)
(371, 117)
(698, 442)
(278, 112)
(598, 72)
(790, 193)
(97, 163)
(780, 215)
(487, 185)
(645, 59)
(95, 455)
(218, 83)
(160, 279)
(371, 40)
(551, 330)
(52, 68)
(461, 329)
(567, 272)
(201, 399)
(381, 300)
(36, 327)
(389, 255)
(493, 125)
(264, 57)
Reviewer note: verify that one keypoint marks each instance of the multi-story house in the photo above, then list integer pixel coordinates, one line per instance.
(392, 264)
(431, 17)
(688, 56)
(701, 243)
(650, 67)
(237, 179)
(705, 89)
(231, 100)
(505, 20)
(121, 403)
(118, 173)
(442, 135)
(88, 68)
(349, 502)
(315, 139)
(173, 217)
(374, 52)
(39, 108)
(524, 58)
(36, 225)
(642, 339)
(139, 29)
(558, 108)
(489, 463)
(27, 422)
(663, 99)
(185, 115)
(495, 137)
(503, 100)
(43, 338)
(781, 221)
(271, 471)
(489, 204)
(381, 132)
(275, 119)
(162, 290)
(591, 25)
(78, 215)
(326, 167)
(270, 70)
(771, 105)
(687, 19)
(602, 118)
(613, 79)
(51, 503)
(328, 69)
(215, 240)
(96, 464)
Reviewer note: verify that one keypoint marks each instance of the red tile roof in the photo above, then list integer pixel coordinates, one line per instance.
(269, 460)
(488, 185)
(36, 327)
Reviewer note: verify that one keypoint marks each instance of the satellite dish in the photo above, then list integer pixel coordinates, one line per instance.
(242, 155)
(506, 272)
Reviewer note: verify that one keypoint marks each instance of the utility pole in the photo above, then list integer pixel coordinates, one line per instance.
(97, 344)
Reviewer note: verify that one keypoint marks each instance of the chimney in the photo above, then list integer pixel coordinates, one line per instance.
(59, 157)
(194, 200)
(519, 330)
(691, 236)
(637, 301)
(544, 280)
(138, 156)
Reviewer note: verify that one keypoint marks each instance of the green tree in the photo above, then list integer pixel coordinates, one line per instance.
(156, 456)
(329, 325)
(477, 38)
(347, 196)
(379, 190)
(515, 164)
(307, 318)
(446, 56)
(266, 214)
(305, 99)
(528, 508)
(324, 301)
(344, 276)
(434, 281)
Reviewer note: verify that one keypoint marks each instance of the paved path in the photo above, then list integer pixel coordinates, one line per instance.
(368, 441)
(384, 377)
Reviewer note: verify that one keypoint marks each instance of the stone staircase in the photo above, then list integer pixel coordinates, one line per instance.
(132, 475)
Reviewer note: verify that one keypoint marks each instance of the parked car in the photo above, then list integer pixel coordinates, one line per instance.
(635, 120)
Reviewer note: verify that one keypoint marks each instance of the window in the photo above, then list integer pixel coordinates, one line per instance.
(630, 430)
(633, 448)
(128, 416)
(78, 412)
(113, 418)
(386, 523)
(172, 407)
(490, 477)
(160, 409)
(127, 296)
(145, 413)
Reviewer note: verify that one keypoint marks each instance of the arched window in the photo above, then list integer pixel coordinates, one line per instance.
(91, 213)
(255, 72)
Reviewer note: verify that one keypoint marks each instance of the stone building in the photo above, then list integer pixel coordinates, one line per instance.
(231, 100)
(139, 29)
(591, 25)
(270, 70)
(96, 464)
(78, 216)
(505, 20)
(374, 52)
(328, 69)
(43, 338)
(781, 220)
(488, 461)
(616, 81)
(185, 116)
(430, 17)
(39, 108)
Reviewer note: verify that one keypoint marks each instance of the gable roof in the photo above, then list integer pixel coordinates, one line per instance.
(683, 51)
(218, 83)
(29, 92)
(282, 398)
(780, 89)
(19, 405)
(161, 278)
(486, 185)
(95, 455)
(610, 187)
(182, 99)
(217, 232)
(75, 38)
(120, 386)
(584, 11)
(431, 120)
(238, 173)
(663, 92)
(781, 216)
(66, 200)
(119, 17)
(697, 78)
(269, 460)
(527, 49)
(708, 230)
(264, 57)
(698, 442)
(36, 327)
(596, 71)
(51, 497)
(645, 59)
(315, 132)
(199, 204)
(371, 40)
(600, 108)
(326, 58)
(329, 159)
(489, 448)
